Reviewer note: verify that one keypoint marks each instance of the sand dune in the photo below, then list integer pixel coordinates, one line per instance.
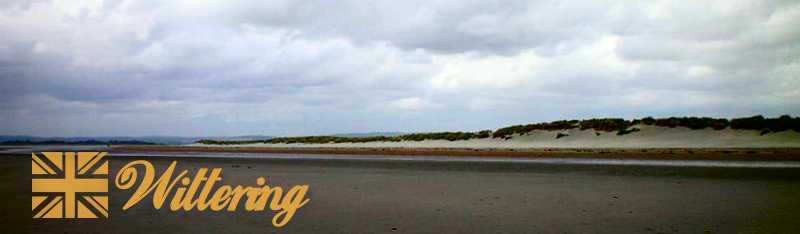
(647, 137)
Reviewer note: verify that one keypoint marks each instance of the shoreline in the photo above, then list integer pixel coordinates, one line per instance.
(737, 154)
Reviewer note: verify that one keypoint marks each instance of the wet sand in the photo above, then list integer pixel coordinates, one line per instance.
(455, 197)
(757, 154)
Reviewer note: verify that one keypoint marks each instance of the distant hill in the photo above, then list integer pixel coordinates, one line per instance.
(87, 142)
(165, 140)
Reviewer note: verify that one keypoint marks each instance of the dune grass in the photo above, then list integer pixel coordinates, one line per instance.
(619, 125)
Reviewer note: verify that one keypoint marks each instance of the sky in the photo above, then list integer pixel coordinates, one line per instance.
(222, 68)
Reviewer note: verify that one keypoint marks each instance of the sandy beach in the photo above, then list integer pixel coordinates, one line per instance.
(457, 197)
(756, 154)
(657, 180)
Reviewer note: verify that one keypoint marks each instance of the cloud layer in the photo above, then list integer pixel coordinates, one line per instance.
(289, 68)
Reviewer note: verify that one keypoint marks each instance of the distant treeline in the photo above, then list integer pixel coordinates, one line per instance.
(87, 142)
(621, 126)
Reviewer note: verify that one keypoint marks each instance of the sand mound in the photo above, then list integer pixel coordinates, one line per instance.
(646, 137)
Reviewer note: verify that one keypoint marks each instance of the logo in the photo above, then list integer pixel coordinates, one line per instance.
(72, 185)
(201, 193)
(69, 185)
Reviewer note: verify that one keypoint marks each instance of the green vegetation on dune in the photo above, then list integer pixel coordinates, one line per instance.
(450, 136)
(621, 126)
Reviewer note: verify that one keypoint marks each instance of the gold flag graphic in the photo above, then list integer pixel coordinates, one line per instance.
(69, 185)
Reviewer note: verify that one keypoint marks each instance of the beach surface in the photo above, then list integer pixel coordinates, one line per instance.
(746, 154)
(350, 195)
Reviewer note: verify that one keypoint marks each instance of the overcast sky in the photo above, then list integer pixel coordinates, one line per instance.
(195, 67)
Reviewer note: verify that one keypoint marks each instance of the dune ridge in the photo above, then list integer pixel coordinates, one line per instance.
(647, 136)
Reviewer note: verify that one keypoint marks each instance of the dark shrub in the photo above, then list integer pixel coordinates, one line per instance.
(758, 122)
(752, 123)
(719, 124)
(606, 125)
(522, 129)
(780, 124)
(648, 121)
(484, 134)
(670, 122)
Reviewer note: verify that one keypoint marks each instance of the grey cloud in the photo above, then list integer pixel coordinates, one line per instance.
(440, 26)
(284, 67)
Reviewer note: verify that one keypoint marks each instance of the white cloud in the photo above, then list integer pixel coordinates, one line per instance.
(699, 71)
(411, 104)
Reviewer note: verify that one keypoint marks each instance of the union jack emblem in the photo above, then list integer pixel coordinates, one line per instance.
(69, 185)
